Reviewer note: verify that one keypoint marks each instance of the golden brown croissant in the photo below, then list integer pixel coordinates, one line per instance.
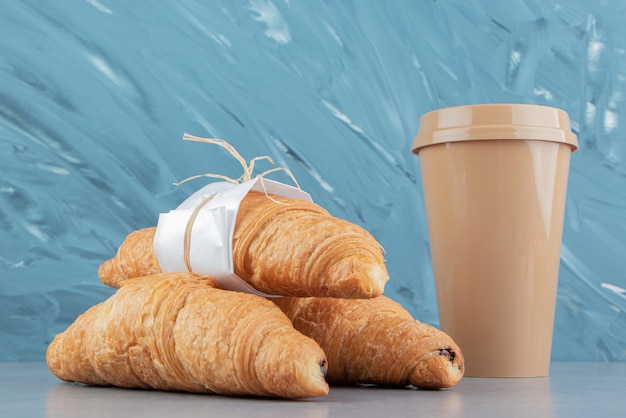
(175, 332)
(376, 341)
(281, 246)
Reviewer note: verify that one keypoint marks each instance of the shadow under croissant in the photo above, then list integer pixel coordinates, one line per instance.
(448, 353)
(75, 399)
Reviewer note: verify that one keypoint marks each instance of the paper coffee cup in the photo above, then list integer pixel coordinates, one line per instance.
(494, 179)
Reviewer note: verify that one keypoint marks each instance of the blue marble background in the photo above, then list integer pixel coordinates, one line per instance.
(96, 94)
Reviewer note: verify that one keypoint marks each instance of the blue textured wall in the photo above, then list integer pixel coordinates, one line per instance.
(96, 94)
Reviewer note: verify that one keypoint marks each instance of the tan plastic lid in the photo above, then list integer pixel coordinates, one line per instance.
(494, 121)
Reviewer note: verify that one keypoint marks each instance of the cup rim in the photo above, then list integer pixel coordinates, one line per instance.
(494, 122)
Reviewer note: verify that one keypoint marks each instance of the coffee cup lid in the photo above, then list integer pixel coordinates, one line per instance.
(494, 121)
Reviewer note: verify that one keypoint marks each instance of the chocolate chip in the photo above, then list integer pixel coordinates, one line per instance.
(448, 353)
(323, 368)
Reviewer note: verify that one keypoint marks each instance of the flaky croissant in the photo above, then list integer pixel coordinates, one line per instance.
(376, 341)
(176, 332)
(281, 246)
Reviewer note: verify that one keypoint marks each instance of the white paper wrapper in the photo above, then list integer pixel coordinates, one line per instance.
(210, 250)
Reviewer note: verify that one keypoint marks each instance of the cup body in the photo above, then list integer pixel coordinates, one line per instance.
(495, 211)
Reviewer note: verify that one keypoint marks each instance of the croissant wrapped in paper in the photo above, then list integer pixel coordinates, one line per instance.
(281, 246)
(376, 341)
(177, 332)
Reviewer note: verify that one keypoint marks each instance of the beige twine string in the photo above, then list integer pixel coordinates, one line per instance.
(248, 168)
(189, 227)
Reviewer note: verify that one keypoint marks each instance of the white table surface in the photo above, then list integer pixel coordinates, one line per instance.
(571, 390)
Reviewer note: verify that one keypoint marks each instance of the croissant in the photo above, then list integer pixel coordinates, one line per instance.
(176, 332)
(281, 246)
(376, 341)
